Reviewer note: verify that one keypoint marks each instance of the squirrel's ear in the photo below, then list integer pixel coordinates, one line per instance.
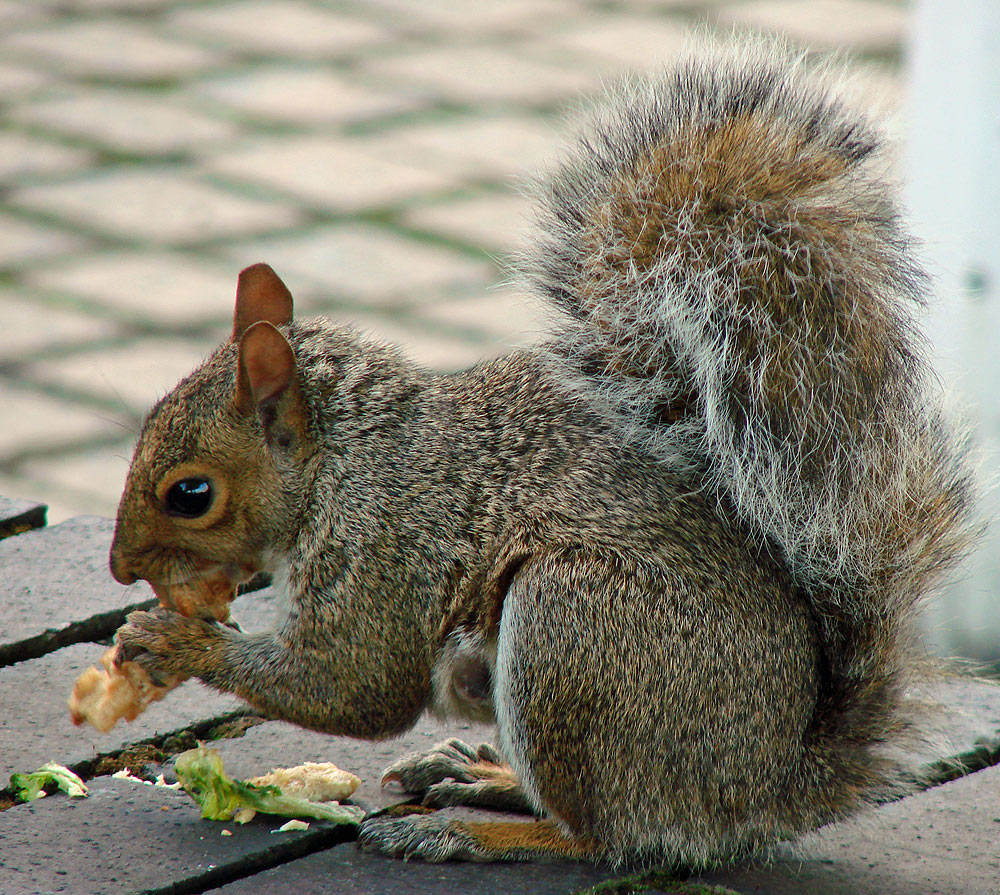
(267, 382)
(260, 295)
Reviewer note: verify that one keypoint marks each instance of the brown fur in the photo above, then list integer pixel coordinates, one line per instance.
(577, 541)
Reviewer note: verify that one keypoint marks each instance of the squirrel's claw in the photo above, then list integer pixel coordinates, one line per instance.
(427, 836)
(455, 773)
(164, 642)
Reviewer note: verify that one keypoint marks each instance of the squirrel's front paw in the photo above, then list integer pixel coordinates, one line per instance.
(165, 642)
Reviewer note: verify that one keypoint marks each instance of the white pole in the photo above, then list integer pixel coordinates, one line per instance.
(953, 192)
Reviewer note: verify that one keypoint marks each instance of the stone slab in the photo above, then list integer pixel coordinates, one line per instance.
(56, 588)
(35, 422)
(117, 50)
(968, 716)
(944, 841)
(34, 327)
(127, 837)
(489, 148)
(497, 222)
(24, 156)
(276, 744)
(503, 315)
(155, 287)
(36, 724)
(18, 516)
(134, 121)
(840, 24)
(331, 173)
(24, 242)
(279, 744)
(347, 869)
(159, 204)
(305, 96)
(92, 479)
(361, 264)
(133, 375)
(476, 76)
(285, 28)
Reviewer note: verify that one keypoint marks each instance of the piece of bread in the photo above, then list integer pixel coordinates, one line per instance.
(314, 781)
(102, 696)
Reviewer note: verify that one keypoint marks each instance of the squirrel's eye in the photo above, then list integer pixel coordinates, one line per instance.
(189, 498)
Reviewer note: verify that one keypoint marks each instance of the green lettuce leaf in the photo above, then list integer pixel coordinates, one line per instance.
(220, 797)
(28, 787)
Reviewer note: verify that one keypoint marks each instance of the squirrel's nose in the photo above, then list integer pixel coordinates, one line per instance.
(120, 568)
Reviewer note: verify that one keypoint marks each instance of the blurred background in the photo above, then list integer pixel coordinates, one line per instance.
(370, 150)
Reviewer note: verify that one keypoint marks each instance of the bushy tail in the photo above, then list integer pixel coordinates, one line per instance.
(740, 295)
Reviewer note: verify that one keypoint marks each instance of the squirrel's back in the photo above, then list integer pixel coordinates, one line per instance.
(739, 296)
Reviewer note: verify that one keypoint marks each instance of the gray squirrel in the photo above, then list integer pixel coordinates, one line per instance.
(675, 553)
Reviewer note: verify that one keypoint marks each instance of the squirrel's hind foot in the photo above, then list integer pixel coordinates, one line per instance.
(436, 838)
(455, 773)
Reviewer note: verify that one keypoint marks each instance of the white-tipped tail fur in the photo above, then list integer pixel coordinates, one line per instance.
(739, 294)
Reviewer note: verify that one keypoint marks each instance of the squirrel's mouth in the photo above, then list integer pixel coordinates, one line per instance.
(206, 593)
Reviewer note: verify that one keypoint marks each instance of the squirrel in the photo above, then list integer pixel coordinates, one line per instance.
(675, 553)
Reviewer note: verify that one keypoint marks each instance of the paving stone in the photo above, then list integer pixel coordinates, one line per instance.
(17, 485)
(858, 24)
(506, 147)
(133, 376)
(623, 43)
(120, 5)
(57, 588)
(336, 173)
(362, 263)
(472, 75)
(37, 726)
(131, 121)
(92, 480)
(71, 589)
(303, 96)
(968, 716)
(349, 869)
(22, 241)
(18, 516)
(64, 502)
(35, 421)
(161, 204)
(458, 17)
(282, 27)
(25, 156)
(428, 348)
(942, 841)
(162, 287)
(114, 49)
(280, 744)
(18, 79)
(32, 326)
(126, 837)
(498, 222)
(12, 13)
(504, 314)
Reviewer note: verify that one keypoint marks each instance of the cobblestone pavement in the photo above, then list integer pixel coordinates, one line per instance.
(368, 149)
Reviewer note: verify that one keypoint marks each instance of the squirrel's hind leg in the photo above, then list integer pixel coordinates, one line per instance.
(454, 773)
